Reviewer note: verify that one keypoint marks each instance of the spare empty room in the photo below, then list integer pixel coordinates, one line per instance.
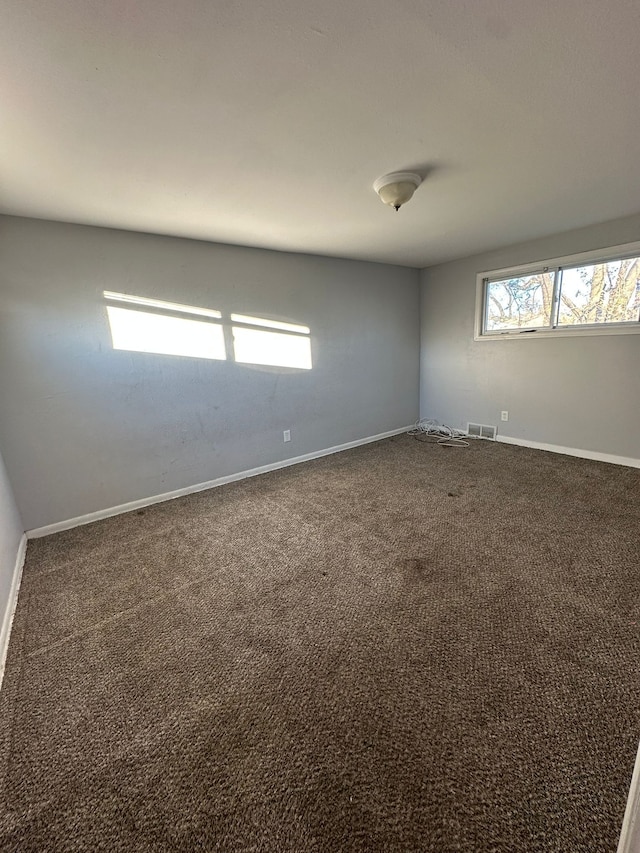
(262, 586)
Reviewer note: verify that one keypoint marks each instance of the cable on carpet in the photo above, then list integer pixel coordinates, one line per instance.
(430, 430)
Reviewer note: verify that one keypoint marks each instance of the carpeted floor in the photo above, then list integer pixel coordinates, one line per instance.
(402, 647)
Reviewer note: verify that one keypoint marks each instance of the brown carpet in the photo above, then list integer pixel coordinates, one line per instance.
(402, 647)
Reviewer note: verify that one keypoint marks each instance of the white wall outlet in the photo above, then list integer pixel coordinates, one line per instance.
(504, 416)
(286, 435)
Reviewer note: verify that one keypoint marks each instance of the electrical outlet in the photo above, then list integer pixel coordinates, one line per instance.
(504, 416)
(286, 435)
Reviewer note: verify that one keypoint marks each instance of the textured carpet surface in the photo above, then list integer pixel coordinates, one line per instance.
(402, 647)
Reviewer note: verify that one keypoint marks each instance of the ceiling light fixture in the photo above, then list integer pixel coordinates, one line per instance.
(397, 188)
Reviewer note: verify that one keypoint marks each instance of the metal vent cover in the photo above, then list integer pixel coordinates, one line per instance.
(482, 431)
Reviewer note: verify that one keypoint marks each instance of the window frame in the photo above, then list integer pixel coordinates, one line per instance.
(613, 253)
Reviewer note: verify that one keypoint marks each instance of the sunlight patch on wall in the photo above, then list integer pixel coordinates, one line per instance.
(145, 302)
(290, 346)
(270, 324)
(160, 331)
(141, 324)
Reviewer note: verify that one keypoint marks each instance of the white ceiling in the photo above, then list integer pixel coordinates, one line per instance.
(266, 123)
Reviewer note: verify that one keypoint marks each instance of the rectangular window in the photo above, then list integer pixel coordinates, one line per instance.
(591, 293)
(600, 293)
(519, 302)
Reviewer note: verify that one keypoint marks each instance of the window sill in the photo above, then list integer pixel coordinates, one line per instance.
(559, 333)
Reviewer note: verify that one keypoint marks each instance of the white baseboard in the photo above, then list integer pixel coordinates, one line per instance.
(572, 451)
(630, 833)
(10, 609)
(210, 484)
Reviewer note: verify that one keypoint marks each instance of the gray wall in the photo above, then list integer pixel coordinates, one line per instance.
(11, 531)
(581, 392)
(84, 427)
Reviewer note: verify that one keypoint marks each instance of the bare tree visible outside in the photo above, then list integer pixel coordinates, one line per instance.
(521, 302)
(600, 293)
(595, 293)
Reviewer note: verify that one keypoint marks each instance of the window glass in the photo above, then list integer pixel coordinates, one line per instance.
(520, 302)
(600, 293)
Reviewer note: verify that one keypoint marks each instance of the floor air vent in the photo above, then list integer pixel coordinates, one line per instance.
(482, 431)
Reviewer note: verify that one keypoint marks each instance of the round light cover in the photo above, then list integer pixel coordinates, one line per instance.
(397, 188)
